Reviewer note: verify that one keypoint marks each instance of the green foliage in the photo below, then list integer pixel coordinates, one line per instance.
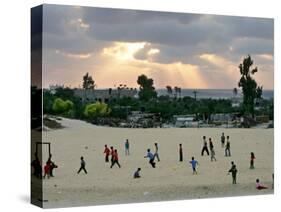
(97, 109)
(60, 106)
(249, 86)
(147, 91)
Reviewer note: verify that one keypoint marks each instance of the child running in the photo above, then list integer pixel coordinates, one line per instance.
(156, 154)
(205, 146)
(211, 145)
(115, 159)
(194, 163)
(252, 160)
(107, 153)
(151, 158)
(82, 165)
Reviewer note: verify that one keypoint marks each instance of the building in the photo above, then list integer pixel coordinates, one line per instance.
(103, 95)
(185, 121)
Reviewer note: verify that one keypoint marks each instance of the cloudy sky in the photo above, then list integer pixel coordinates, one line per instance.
(186, 50)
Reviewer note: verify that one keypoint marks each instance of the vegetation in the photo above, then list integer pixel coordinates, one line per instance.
(62, 101)
(95, 110)
(250, 89)
(147, 91)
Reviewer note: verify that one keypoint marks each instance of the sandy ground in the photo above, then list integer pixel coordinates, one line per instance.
(170, 180)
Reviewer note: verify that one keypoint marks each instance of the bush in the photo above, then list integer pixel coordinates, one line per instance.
(97, 109)
(60, 106)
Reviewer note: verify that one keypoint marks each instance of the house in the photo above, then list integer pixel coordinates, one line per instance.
(185, 121)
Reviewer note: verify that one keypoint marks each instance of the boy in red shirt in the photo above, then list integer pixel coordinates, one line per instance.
(115, 159)
(107, 153)
(47, 169)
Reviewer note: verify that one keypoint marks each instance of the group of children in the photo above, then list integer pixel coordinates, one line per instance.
(111, 152)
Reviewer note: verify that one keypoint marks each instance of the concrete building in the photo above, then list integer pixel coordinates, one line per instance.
(104, 95)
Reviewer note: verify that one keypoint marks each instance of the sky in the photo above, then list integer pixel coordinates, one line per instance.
(115, 46)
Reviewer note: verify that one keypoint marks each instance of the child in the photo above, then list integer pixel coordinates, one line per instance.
(233, 171)
(211, 145)
(156, 152)
(252, 160)
(194, 163)
(115, 159)
(82, 165)
(107, 153)
(259, 186)
(222, 140)
(47, 169)
(181, 153)
(137, 173)
(111, 153)
(127, 147)
(227, 147)
(151, 158)
(213, 155)
(205, 146)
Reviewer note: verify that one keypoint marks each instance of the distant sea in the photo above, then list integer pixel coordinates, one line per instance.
(214, 93)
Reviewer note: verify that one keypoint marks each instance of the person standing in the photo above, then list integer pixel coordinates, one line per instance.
(181, 152)
(115, 159)
(150, 156)
(52, 165)
(227, 147)
(194, 163)
(156, 154)
(222, 140)
(112, 154)
(205, 147)
(82, 166)
(127, 147)
(233, 170)
(211, 145)
(47, 169)
(213, 157)
(107, 153)
(252, 160)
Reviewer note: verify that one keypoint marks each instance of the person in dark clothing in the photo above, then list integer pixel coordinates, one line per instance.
(156, 154)
(233, 170)
(115, 159)
(259, 186)
(82, 166)
(107, 153)
(37, 168)
(211, 145)
(205, 146)
(227, 148)
(222, 140)
(252, 160)
(181, 153)
(151, 158)
(137, 173)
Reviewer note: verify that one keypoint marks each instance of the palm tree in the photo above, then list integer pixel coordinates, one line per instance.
(169, 90)
(195, 94)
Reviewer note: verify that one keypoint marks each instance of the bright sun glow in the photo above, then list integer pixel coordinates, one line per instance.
(123, 51)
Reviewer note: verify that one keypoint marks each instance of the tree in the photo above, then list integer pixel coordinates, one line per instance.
(169, 90)
(195, 94)
(147, 91)
(88, 82)
(97, 109)
(235, 92)
(249, 86)
(60, 106)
